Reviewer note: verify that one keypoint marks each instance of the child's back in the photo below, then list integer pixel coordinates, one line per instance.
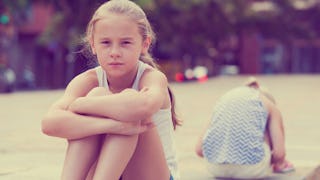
(236, 132)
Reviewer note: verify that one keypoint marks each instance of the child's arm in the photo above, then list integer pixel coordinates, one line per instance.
(277, 136)
(198, 148)
(128, 105)
(69, 125)
(61, 122)
(276, 132)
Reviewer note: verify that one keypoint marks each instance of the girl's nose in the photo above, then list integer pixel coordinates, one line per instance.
(115, 52)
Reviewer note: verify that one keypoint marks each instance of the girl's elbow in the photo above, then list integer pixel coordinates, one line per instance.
(199, 152)
(48, 126)
(198, 148)
(45, 127)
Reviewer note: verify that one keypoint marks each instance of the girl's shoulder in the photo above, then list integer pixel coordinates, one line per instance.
(266, 102)
(152, 71)
(155, 74)
(151, 76)
(88, 76)
(83, 82)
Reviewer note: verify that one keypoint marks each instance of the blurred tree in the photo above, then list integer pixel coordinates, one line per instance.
(18, 8)
(190, 29)
(69, 22)
(187, 28)
(278, 19)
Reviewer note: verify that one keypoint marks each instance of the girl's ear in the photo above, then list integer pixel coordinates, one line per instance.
(145, 45)
(92, 47)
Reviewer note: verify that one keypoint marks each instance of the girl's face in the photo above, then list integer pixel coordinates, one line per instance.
(118, 44)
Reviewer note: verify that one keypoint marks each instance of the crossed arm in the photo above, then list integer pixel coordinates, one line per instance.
(128, 105)
(76, 115)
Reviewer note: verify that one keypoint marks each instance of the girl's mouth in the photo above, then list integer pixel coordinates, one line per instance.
(115, 63)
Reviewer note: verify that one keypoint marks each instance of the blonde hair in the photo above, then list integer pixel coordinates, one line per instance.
(133, 11)
(253, 83)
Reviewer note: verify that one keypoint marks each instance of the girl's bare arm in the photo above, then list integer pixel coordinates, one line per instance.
(128, 105)
(61, 122)
(276, 131)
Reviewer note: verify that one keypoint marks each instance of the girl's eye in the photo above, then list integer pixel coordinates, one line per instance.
(106, 42)
(126, 42)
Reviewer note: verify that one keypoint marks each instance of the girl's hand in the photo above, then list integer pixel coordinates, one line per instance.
(277, 156)
(133, 128)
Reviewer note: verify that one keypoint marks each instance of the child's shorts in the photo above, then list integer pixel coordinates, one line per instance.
(261, 170)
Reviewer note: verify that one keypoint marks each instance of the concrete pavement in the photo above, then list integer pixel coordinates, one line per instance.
(25, 153)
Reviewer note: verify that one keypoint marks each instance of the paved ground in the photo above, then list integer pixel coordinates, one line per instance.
(27, 154)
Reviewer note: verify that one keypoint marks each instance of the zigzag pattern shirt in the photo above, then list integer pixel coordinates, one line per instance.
(236, 132)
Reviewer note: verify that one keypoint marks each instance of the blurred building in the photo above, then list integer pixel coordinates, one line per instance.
(41, 66)
(52, 66)
(263, 55)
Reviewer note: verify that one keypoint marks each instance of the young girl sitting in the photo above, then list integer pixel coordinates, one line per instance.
(245, 137)
(119, 117)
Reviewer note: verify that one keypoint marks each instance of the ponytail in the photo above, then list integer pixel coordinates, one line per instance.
(176, 122)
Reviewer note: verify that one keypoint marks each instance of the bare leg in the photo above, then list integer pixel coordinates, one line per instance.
(80, 156)
(82, 153)
(115, 154)
(148, 161)
(92, 170)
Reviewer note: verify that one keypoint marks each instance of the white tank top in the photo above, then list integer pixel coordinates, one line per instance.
(162, 119)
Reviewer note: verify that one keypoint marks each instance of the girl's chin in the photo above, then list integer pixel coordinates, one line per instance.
(115, 73)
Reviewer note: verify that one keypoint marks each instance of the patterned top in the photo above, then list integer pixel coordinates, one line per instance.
(162, 119)
(236, 132)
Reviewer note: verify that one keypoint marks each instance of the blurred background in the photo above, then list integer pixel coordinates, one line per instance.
(40, 40)
(224, 40)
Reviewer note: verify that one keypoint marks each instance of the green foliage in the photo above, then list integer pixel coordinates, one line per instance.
(185, 28)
